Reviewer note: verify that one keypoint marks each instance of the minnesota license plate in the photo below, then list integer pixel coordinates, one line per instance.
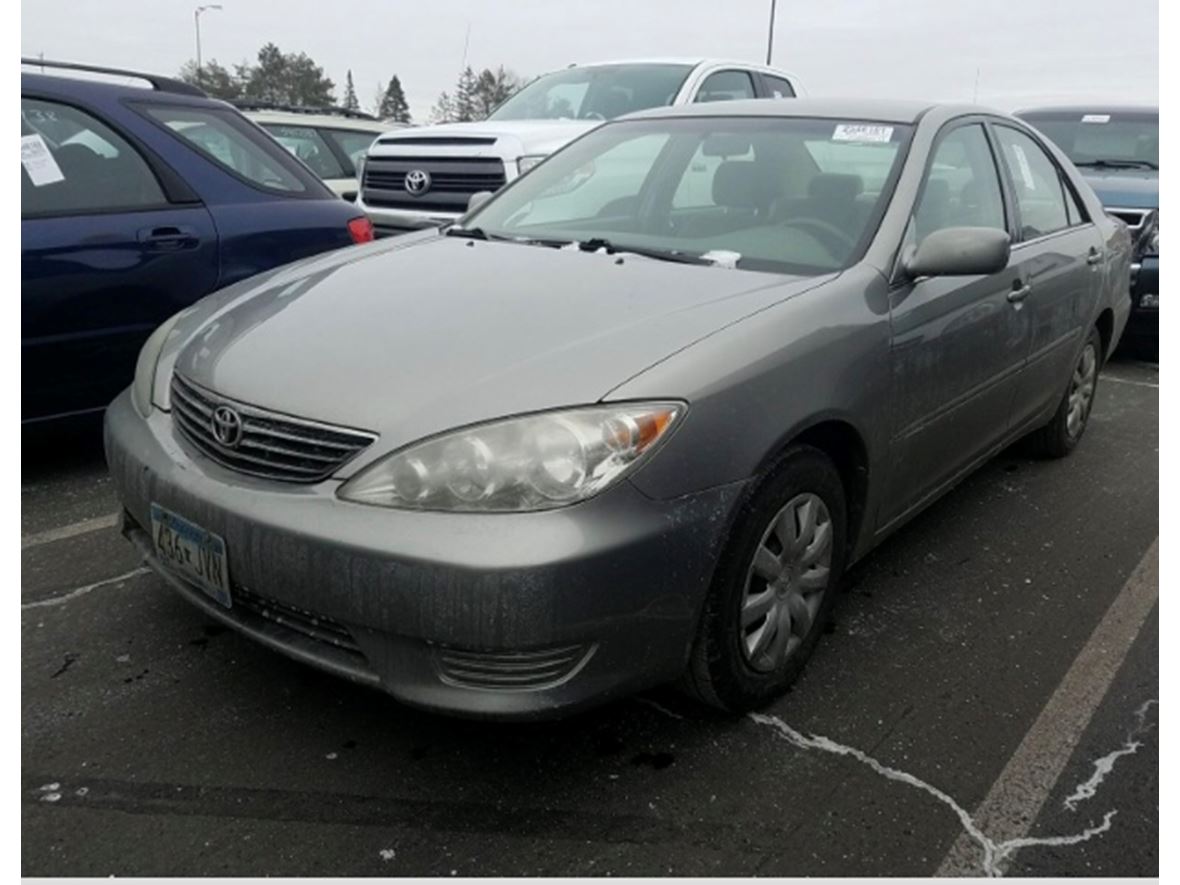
(192, 552)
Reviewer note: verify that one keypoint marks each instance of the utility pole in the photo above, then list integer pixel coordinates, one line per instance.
(975, 95)
(197, 26)
(770, 32)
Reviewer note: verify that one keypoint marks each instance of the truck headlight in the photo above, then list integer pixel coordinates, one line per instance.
(1153, 242)
(536, 462)
(525, 163)
(145, 367)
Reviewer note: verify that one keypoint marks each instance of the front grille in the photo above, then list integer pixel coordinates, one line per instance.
(272, 445)
(311, 625)
(510, 670)
(452, 181)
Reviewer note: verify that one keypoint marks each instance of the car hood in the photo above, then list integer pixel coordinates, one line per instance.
(408, 340)
(1125, 189)
(513, 137)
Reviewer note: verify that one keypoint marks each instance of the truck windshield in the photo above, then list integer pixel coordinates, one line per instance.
(1103, 138)
(778, 194)
(601, 92)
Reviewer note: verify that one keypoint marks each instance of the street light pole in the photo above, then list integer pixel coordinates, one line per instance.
(197, 26)
(770, 32)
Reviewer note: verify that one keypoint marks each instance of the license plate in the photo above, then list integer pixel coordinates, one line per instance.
(193, 552)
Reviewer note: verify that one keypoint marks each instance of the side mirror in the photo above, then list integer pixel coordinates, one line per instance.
(959, 251)
(477, 199)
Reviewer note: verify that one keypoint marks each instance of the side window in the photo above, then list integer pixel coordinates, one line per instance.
(726, 86)
(309, 146)
(779, 87)
(962, 187)
(70, 162)
(232, 142)
(1040, 197)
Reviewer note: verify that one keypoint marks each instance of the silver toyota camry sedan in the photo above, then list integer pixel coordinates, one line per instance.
(627, 421)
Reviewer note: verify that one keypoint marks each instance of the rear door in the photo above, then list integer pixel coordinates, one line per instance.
(959, 343)
(1058, 251)
(106, 255)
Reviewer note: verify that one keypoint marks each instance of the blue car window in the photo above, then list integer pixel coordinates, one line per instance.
(91, 167)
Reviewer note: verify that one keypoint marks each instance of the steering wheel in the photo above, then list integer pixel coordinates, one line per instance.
(833, 239)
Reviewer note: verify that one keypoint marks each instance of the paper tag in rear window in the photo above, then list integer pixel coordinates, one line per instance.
(863, 133)
(1095, 118)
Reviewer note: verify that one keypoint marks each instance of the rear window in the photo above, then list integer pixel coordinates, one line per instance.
(234, 143)
(309, 146)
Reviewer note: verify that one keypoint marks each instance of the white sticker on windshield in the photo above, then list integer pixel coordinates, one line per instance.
(1096, 118)
(38, 161)
(1025, 170)
(862, 132)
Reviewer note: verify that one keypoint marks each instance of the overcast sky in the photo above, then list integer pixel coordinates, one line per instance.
(1024, 50)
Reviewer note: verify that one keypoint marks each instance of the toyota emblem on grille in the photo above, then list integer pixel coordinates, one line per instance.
(417, 181)
(227, 427)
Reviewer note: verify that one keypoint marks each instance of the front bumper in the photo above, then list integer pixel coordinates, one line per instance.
(1145, 287)
(490, 615)
(391, 222)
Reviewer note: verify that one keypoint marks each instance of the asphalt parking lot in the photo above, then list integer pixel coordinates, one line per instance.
(986, 701)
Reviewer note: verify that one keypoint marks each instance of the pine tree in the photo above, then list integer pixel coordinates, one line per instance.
(443, 110)
(393, 103)
(466, 97)
(350, 101)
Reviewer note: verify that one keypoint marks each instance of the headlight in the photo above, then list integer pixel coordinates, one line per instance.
(524, 164)
(145, 366)
(536, 462)
(1153, 242)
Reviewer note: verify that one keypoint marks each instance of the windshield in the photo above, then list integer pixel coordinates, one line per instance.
(598, 93)
(1127, 138)
(782, 194)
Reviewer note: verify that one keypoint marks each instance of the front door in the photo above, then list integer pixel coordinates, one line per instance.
(105, 258)
(958, 342)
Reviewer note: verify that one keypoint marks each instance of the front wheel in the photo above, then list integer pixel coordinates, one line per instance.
(1063, 433)
(774, 587)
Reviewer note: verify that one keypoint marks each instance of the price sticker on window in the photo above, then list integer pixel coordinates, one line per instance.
(1096, 118)
(863, 133)
(1026, 175)
(39, 164)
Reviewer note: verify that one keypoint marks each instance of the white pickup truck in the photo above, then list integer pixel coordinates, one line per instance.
(423, 177)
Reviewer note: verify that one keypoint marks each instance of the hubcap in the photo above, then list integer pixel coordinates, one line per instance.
(786, 581)
(1081, 391)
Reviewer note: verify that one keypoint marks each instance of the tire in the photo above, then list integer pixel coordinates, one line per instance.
(737, 663)
(1065, 430)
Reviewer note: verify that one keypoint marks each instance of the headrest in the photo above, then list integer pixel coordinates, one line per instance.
(740, 183)
(835, 187)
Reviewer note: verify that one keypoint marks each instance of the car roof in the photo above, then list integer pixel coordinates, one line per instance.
(888, 111)
(1096, 108)
(102, 83)
(326, 121)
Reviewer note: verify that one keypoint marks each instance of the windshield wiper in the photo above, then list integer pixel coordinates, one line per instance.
(1118, 164)
(471, 233)
(595, 244)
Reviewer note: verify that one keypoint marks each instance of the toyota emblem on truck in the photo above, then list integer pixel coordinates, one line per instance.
(417, 181)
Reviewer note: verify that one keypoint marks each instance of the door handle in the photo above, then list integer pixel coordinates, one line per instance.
(1019, 292)
(168, 237)
(1095, 257)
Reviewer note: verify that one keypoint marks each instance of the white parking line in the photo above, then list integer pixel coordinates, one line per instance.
(1016, 798)
(85, 527)
(1136, 383)
(82, 591)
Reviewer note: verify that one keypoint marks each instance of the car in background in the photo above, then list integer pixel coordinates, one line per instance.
(1117, 150)
(426, 177)
(140, 195)
(331, 141)
(595, 438)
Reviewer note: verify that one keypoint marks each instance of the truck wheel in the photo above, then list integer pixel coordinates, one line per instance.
(774, 587)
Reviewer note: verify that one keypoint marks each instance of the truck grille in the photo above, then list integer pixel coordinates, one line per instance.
(271, 444)
(452, 182)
